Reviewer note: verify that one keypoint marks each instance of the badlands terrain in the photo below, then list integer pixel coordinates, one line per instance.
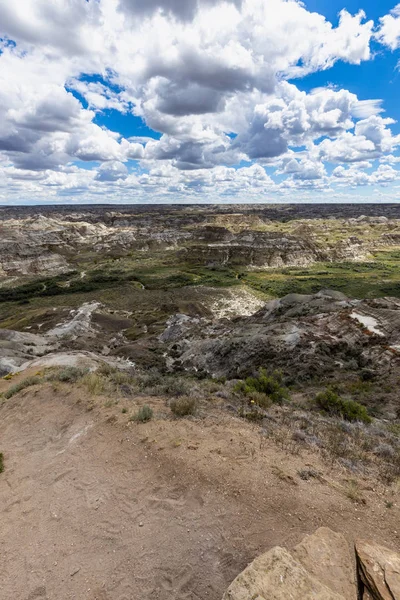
(185, 388)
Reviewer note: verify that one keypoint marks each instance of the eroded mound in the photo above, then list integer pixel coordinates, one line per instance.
(303, 335)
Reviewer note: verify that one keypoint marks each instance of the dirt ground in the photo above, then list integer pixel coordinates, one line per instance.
(93, 507)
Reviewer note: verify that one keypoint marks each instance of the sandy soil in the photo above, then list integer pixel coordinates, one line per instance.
(95, 508)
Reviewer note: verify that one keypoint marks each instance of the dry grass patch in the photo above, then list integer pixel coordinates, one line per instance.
(144, 414)
(353, 492)
(183, 407)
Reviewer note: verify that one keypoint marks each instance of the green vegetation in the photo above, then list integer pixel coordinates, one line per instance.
(349, 410)
(183, 407)
(1, 462)
(374, 279)
(18, 387)
(138, 282)
(263, 389)
(144, 414)
(63, 285)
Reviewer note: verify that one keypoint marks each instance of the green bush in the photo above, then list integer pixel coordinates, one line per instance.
(1, 462)
(144, 414)
(349, 410)
(269, 386)
(17, 387)
(182, 407)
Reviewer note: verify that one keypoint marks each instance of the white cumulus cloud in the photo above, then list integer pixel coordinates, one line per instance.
(210, 76)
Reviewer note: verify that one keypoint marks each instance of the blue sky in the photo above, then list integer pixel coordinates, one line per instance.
(199, 101)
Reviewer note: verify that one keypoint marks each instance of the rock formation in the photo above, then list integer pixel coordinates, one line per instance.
(276, 575)
(379, 571)
(326, 556)
(307, 335)
(321, 567)
(44, 243)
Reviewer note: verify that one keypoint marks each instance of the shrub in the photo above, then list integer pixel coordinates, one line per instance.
(17, 387)
(67, 375)
(349, 410)
(299, 436)
(307, 474)
(148, 380)
(182, 407)
(260, 399)
(1, 462)
(113, 374)
(121, 377)
(268, 385)
(353, 492)
(177, 386)
(384, 451)
(105, 369)
(144, 414)
(251, 415)
(96, 384)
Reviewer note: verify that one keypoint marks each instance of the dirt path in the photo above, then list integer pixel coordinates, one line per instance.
(93, 509)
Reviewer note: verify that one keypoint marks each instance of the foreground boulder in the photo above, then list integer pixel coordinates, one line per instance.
(276, 575)
(379, 571)
(326, 556)
(321, 567)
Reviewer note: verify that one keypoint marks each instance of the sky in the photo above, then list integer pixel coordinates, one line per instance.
(192, 101)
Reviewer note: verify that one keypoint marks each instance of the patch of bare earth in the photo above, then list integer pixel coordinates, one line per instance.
(93, 507)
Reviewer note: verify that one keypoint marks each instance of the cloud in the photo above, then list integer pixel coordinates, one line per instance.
(52, 24)
(100, 96)
(210, 76)
(371, 139)
(354, 177)
(212, 150)
(303, 169)
(295, 118)
(388, 33)
(184, 10)
(112, 171)
(363, 109)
